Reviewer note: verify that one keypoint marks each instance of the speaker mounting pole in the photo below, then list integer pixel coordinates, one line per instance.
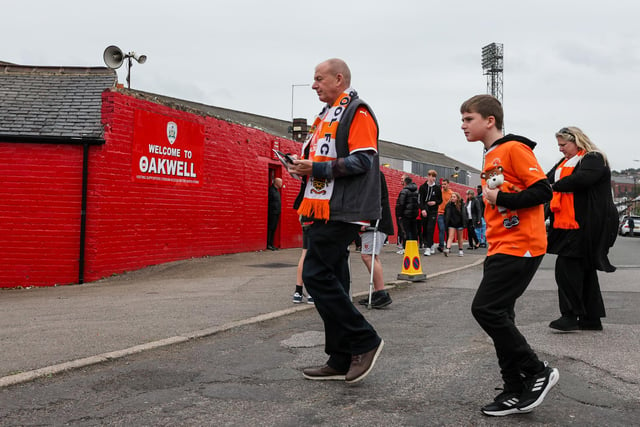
(113, 58)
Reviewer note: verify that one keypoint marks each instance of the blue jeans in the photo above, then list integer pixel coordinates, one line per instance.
(442, 231)
(481, 232)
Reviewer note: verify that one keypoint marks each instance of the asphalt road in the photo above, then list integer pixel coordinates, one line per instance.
(437, 368)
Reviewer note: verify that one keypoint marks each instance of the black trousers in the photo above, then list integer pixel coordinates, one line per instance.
(471, 232)
(272, 225)
(401, 233)
(410, 229)
(578, 289)
(504, 280)
(429, 227)
(325, 273)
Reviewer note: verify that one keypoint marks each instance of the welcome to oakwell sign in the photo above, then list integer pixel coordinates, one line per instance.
(167, 150)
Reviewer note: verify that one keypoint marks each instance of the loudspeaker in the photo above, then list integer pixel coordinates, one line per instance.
(113, 57)
(141, 59)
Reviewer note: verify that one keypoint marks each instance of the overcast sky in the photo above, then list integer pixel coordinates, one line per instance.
(566, 62)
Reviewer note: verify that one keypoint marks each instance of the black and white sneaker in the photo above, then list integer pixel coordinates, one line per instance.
(537, 387)
(506, 403)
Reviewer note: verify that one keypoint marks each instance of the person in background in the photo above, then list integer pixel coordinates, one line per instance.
(380, 298)
(407, 210)
(455, 216)
(514, 254)
(298, 293)
(583, 226)
(401, 232)
(339, 192)
(481, 226)
(274, 209)
(429, 199)
(473, 217)
(442, 226)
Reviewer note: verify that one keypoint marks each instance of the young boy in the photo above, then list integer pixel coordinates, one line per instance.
(517, 242)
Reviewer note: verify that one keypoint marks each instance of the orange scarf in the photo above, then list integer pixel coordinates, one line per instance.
(562, 203)
(322, 148)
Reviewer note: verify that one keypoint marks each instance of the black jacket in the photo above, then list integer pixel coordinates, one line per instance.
(477, 211)
(453, 217)
(274, 204)
(386, 222)
(595, 213)
(407, 202)
(427, 194)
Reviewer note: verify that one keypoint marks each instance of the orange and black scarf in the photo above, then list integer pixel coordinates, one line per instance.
(564, 215)
(321, 146)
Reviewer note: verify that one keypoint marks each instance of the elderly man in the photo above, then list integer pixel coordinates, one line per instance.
(274, 209)
(340, 193)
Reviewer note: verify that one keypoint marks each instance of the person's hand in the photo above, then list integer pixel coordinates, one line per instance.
(424, 213)
(490, 194)
(431, 203)
(301, 167)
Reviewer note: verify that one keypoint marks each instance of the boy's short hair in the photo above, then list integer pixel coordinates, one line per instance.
(407, 180)
(444, 180)
(432, 173)
(485, 105)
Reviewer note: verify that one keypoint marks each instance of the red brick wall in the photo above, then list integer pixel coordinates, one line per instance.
(133, 224)
(130, 224)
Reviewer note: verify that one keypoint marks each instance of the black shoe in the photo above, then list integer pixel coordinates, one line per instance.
(537, 387)
(506, 403)
(470, 248)
(379, 299)
(565, 324)
(440, 248)
(483, 245)
(590, 325)
(271, 247)
(382, 300)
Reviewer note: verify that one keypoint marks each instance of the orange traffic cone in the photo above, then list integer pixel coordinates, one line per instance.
(411, 266)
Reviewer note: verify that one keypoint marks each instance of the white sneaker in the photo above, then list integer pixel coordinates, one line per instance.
(446, 251)
(427, 252)
(401, 251)
(460, 253)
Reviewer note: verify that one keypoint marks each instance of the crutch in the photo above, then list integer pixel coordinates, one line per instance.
(373, 259)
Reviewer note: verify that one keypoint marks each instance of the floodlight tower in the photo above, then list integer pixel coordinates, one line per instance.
(492, 66)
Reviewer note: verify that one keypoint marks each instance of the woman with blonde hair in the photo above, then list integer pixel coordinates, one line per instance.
(583, 226)
(455, 216)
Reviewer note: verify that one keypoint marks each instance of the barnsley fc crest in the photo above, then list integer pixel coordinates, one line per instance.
(319, 186)
(172, 132)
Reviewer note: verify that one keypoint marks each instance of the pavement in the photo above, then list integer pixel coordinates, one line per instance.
(217, 341)
(48, 330)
